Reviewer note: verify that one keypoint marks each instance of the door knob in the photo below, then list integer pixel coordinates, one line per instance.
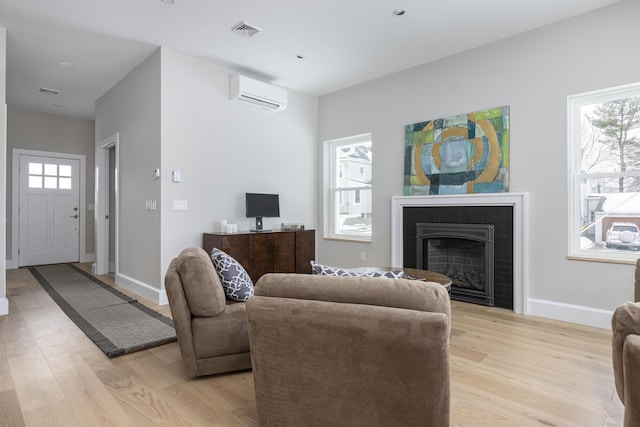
(73, 216)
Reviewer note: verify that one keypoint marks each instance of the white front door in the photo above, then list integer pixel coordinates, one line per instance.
(49, 210)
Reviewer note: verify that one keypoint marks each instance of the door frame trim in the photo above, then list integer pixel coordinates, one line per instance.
(15, 199)
(101, 265)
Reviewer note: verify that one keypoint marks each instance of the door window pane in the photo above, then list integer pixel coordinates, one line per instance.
(50, 182)
(35, 182)
(50, 176)
(35, 168)
(64, 170)
(51, 170)
(64, 183)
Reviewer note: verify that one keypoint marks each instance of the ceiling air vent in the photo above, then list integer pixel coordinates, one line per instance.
(45, 91)
(245, 29)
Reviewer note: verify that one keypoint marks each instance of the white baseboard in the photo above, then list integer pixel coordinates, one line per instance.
(4, 306)
(581, 315)
(8, 264)
(156, 296)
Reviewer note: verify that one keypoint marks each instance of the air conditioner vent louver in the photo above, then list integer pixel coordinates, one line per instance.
(256, 93)
(259, 102)
(245, 29)
(45, 91)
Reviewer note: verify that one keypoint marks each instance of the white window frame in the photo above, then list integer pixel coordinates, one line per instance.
(329, 184)
(574, 103)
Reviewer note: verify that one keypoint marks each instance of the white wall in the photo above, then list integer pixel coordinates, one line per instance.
(172, 112)
(132, 108)
(30, 130)
(533, 73)
(4, 303)
(224, 149)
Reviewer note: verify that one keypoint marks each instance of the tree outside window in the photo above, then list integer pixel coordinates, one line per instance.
(604, 136)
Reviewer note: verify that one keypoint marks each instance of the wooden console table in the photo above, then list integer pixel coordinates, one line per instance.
(266, 251)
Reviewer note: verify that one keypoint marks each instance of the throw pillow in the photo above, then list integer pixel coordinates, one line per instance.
(235, 280)
(326, 270)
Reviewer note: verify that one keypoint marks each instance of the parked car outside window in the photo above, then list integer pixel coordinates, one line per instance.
(623, 235)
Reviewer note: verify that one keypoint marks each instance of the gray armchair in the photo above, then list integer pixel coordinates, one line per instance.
(353, 351)
(212, 331)
(626, 354)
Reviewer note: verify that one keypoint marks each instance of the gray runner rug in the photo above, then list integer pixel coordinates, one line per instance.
(116, 323)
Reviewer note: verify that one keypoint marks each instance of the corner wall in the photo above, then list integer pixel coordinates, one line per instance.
(132, 108)
(173, 113)
(533, 73)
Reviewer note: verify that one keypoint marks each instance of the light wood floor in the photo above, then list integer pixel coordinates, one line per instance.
(506, 370)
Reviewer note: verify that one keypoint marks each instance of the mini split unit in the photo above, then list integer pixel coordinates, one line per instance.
(256, 93)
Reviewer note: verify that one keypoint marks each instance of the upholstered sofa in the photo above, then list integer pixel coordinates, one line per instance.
(354, 351)
(211, 330)
(626, 354)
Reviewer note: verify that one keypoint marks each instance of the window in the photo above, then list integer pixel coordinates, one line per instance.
(604, 174)
(49, 176)
(348, 188)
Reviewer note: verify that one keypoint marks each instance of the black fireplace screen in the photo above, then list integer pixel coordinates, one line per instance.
(463, 252)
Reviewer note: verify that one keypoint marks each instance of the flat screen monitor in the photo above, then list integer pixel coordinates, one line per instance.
(262, 206)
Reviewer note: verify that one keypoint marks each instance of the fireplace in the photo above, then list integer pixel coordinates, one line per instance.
(511, 235)
(464, 252)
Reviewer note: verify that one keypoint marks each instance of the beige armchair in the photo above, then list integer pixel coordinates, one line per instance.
(353, 351)
(212, 331)
(626, 354)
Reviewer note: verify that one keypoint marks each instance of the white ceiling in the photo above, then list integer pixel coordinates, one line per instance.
(344, 42)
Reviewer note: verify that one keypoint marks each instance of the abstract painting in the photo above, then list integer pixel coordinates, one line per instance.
(467, 153)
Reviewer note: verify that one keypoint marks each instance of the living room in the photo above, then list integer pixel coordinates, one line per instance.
(172, 112)
(174, 105)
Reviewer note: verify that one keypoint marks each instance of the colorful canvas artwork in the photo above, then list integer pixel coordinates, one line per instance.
(467, 153)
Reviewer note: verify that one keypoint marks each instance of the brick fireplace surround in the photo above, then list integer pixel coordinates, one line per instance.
(518, 201)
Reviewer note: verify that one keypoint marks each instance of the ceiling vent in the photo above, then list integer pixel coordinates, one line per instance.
(45, 91)
(245, 29)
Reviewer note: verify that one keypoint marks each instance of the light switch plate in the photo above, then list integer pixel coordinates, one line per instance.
(180, 205)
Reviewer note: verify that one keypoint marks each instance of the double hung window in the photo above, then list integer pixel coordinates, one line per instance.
(348, 188)
(604, 174)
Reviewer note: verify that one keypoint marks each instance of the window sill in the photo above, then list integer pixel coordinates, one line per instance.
(595, 258)
(347, 239)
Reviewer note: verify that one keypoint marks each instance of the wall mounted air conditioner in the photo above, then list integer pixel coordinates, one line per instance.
(256, 93)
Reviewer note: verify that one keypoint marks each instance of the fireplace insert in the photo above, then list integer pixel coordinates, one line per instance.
(464, 252)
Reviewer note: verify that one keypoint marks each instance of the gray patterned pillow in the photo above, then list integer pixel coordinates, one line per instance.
(335, 271)
(236, 282)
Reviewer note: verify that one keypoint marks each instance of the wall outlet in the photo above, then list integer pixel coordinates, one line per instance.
(363, 256)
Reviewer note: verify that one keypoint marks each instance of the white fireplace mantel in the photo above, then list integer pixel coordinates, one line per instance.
(520, 204)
